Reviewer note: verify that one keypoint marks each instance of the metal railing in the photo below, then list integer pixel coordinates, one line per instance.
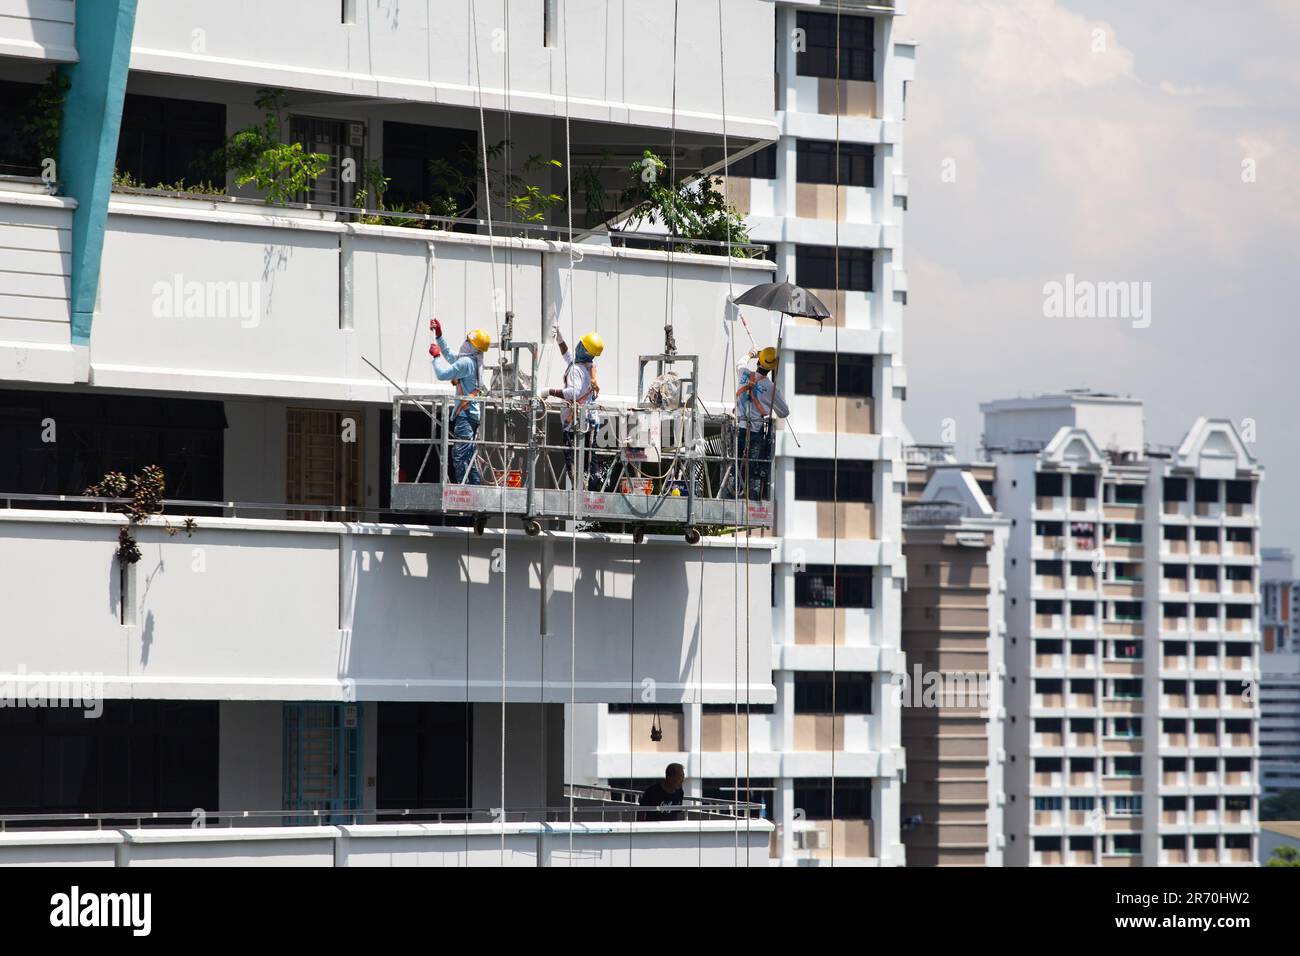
(434, 223)
(591, 804)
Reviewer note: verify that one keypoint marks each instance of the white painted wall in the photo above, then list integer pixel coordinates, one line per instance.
(329, 295)
(39, 29)
(283, 610)
(35, 286)
(619, 56)
(685, 843)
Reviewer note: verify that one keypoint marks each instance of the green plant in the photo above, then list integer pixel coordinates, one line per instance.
(688, 210)
(1284, 856)
(591, 187)
(46, 117)
(372, 175)
(124, 180)
(457, 190)
(1284, 805)
(257, 155)
(145, 493)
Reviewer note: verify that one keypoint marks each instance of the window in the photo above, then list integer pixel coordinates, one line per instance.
(418, 743)
(1129, 844)
(1049, 484)
(760, 164)
(1083, 486)
(814, 374)
(1239, 492)
(412, 154)
(815, 480)
(1207, 491)
(164, 140)
(1046, 804)
(812, 795)
(103, 433)
(138, 755)
(1047, 844)
(813, 587)
(1127, 806)
(1128, 494)
(815, 268)
(817, 58)
(1127, 689)
(19, 152)
(1083, 804)
(1175, 489)
(816, 163)
(812, 693)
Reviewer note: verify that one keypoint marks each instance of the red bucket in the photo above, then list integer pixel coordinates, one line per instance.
(511, 479)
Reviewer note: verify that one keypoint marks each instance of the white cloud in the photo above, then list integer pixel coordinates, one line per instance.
(1025, 46)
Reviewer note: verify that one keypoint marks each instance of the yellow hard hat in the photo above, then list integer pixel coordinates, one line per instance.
(480, 339)
(767, 358)
(593, 343)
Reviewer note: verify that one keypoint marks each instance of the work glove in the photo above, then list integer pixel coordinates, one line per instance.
(434, 349)
(436, 326)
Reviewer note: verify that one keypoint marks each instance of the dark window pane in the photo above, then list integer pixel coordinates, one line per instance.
(814, 374)
(815, 268)
(815, 480)
(856, 46)
(816, 163)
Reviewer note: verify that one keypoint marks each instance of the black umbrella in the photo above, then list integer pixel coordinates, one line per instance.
(785, 297)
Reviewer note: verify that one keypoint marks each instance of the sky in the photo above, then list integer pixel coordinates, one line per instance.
(1135, 141)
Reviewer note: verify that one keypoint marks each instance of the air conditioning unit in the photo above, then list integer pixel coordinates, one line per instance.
(811, 840)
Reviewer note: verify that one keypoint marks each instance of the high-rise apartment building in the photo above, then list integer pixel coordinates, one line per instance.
(838, 568)
(1133, 635)
(954, 636)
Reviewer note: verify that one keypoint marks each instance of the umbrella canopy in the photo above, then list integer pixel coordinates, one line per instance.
(784, 297)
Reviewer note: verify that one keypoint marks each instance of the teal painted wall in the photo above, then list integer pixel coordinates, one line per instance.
(92, 117)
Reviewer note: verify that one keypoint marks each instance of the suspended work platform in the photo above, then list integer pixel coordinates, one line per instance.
(663, 464)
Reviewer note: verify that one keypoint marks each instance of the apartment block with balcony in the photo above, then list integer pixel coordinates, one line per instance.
(1279, 687)
(305, 649)
(839, 568)
(954, 634)
(1134, 635)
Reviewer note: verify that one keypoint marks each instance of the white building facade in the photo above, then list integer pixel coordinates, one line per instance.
(835, 651)
(303, 648)
(1134, 636)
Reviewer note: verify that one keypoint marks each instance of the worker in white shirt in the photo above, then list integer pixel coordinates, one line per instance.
(580, 391)
(757, 400)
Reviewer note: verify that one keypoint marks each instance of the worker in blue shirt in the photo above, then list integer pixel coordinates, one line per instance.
(465, 372)
(757, 400)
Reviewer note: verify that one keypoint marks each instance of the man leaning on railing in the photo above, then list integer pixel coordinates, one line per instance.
(663, 794)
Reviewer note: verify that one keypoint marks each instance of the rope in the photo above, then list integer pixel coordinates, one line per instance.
(487, 197)
(670, 338)
(835, 441)
(579, 476)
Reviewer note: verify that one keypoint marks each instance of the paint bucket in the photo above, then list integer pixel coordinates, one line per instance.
(511, 479)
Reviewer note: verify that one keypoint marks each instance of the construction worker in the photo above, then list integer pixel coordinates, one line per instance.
(465, 373)
(757, 400)
(580, 390)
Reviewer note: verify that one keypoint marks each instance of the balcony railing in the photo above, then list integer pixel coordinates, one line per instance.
(603, 828)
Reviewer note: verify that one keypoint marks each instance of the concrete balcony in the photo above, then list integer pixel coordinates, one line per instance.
(433, 57)
(39, 29)
(239, 298)
(261, 609)
(524, 843)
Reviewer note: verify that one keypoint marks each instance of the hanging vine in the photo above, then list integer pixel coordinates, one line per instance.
(144, 492)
